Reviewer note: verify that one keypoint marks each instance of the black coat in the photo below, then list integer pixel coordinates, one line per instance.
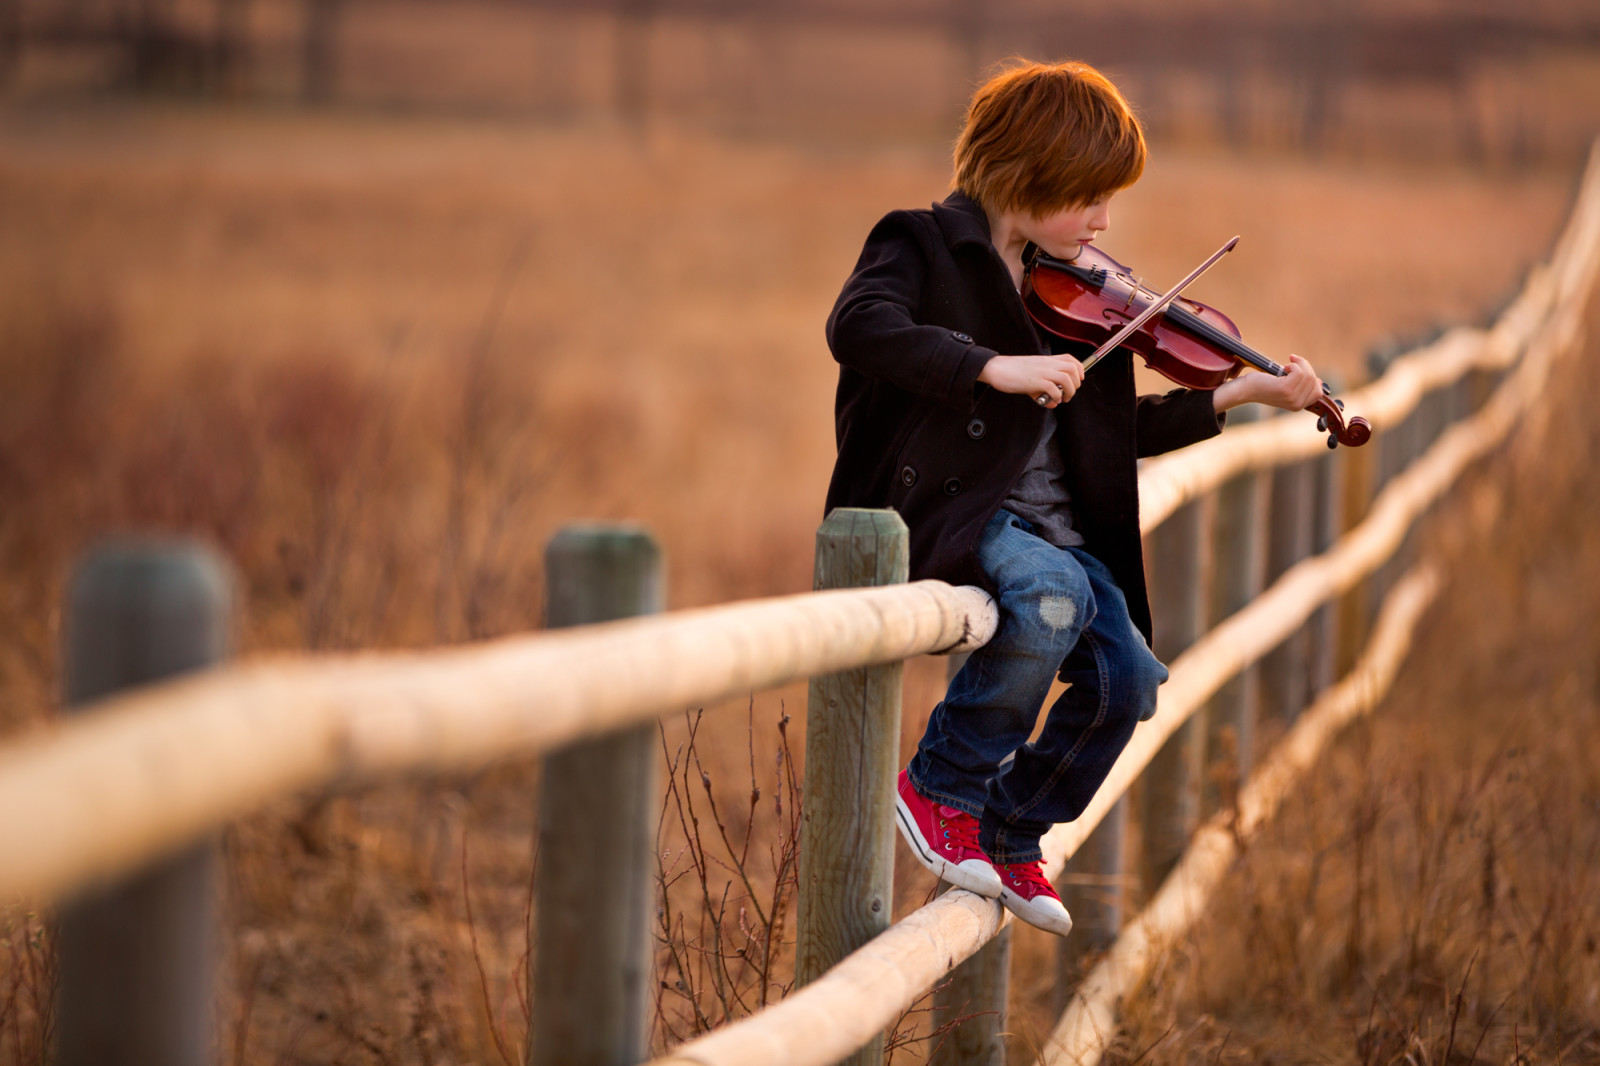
(929, 303)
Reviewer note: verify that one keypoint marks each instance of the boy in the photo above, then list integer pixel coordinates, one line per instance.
(1015, 472)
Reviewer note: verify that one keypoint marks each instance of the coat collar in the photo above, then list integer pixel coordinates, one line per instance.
(962, 220)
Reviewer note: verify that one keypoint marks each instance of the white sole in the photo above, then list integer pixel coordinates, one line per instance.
(1050, 921)
(940, 868)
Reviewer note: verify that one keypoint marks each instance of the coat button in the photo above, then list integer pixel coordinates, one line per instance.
(908, 477)
(962, 337)
(976, 429)
(952, 487)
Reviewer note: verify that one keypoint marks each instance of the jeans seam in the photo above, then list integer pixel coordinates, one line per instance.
(964, 806)
(1010, 857)
(1067, 760)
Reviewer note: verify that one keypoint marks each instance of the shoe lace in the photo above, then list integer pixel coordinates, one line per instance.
(959, 827)
(1027, 873)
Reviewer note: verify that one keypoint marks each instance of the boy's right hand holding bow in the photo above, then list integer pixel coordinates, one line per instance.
(1050, 379)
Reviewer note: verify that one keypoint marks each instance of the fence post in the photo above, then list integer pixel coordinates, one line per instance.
(1397, 447)
(592, 963)
(1327, 514)
(852, 756)
(1238, 559)
(1283, 670)
(1091, 887)
(1177, 603)
(1356, 494)
(138, 959)
(976, 990)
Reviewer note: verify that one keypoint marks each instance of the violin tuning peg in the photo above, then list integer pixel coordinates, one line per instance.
(1322, 424)
(1326, 391)
(1339, 404)
(1333, 442)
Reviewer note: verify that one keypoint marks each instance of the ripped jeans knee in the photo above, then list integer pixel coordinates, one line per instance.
(1062, 613)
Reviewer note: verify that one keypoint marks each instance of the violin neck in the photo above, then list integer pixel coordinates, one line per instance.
(1188, 320)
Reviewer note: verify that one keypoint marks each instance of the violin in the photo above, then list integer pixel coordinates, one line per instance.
(1090, 297)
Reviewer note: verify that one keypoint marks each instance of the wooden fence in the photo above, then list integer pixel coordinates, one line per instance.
(110, 813)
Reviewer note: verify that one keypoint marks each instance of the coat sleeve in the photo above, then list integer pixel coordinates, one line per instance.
(1175, 420)
(874, 327)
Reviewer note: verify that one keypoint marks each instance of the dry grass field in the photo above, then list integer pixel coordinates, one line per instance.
(1433, 896)
(380, 360)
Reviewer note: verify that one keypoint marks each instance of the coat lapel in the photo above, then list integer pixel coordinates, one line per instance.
(966, 233)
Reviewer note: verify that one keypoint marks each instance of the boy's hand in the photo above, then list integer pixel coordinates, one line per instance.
(1292, 392)
(1050, 379)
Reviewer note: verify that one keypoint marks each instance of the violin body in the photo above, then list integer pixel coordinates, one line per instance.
(1089, 298)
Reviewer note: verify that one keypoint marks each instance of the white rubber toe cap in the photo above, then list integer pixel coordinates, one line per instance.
(1042, 912)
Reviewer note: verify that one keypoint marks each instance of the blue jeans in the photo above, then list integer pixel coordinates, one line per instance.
(1060, 611)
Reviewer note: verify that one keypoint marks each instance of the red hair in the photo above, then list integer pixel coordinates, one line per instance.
(1043, 137)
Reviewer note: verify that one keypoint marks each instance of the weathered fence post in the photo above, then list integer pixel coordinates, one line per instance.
(1289, 534)
(592, 962)
(976, 991)
(1397, 447)
(1177, 604)
(1238, 559)
(139, 958)
(1327, 517)
(1356, 493)
(1091, 887)
(852, 756)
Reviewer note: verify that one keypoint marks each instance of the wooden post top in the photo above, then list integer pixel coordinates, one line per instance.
(599, 572)
(859, 547)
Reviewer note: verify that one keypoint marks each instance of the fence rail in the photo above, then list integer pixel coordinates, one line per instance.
(152, 771)
(149, 770)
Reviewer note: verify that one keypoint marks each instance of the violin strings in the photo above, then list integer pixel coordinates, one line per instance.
(1179, 315)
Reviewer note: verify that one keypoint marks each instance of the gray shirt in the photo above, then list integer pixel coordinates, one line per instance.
(1040, 496)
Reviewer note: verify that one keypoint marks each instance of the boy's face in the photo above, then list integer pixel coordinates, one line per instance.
(1064, 233)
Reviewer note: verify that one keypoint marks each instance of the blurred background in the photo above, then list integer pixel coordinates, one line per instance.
(538, 260)
(377, 294)
(1473, 82)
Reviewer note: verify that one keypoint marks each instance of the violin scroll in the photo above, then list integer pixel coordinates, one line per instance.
(1330, 420)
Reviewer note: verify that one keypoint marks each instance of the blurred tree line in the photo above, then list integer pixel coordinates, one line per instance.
(1453, 76)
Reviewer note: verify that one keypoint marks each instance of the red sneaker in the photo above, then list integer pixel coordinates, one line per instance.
(945, 840)
(1026, 893)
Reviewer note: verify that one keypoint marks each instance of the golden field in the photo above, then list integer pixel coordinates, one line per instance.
(380, 360)
(1429, 896)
